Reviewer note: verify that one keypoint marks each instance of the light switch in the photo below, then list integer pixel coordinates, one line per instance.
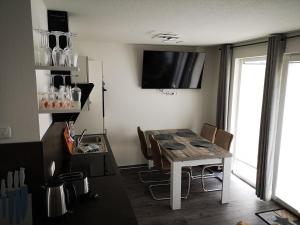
(5, 132)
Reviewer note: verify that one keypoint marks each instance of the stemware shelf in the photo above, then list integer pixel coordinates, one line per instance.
(57, 68)
(59, 110)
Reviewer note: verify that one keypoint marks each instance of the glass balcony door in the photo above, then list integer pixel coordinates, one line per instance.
(246, 117)
(287, 183)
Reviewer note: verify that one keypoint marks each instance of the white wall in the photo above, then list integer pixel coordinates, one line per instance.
(17, 81)
(293, 45)
(129, 106)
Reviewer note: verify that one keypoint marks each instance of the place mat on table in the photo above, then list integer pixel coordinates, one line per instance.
(162, 137)
(201, 143)
(174, 146)
(185, 134)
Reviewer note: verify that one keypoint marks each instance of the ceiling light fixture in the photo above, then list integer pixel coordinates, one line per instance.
(167, 37)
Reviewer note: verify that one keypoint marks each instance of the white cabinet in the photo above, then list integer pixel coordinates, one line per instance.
(92, 119)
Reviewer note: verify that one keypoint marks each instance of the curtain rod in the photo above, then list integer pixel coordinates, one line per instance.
(294, 36)
(255, 43)
(261, 42)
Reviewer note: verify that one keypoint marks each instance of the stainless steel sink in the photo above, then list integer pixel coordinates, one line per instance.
(88, 139)
(91, 142)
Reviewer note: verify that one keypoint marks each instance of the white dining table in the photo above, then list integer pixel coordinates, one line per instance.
(192, 156)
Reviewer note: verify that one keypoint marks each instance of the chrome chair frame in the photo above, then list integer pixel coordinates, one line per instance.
(167, 198)
(199, 176)
(210, 176)
(140, 175)
(225, 146)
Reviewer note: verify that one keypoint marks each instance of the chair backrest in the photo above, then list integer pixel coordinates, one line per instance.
(156, 153)
(223, 139)
(208, 131)
(143, 143)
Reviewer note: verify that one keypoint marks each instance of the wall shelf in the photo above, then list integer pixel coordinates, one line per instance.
(57, 68)
(86, 89)
(59, 110)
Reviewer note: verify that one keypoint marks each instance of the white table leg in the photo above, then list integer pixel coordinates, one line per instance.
(226, 180)
(175, 185)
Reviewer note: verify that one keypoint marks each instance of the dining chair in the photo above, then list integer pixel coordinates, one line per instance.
(208, 131)
(223, 139)
(146, 151)
(164, 166)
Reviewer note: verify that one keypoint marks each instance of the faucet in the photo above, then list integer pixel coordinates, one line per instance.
(81, 136)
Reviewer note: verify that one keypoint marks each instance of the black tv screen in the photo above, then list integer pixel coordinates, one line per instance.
(166, 69)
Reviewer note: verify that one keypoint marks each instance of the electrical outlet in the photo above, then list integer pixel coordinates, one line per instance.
(5, 132)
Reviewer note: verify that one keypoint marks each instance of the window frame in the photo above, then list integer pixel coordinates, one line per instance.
(287, 58)
(234, 105)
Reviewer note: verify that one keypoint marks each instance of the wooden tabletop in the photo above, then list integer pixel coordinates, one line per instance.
(190, 152)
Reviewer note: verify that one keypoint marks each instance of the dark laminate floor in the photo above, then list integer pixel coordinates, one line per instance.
(201, 208)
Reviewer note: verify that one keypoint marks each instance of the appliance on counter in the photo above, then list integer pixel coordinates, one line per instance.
(55, 195)
(62, 192)
(171, 69)
(77, 181)
(56, 199)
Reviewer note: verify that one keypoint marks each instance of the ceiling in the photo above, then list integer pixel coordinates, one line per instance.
(197, 22)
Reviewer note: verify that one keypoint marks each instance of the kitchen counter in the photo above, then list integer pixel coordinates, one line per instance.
(95, 164)
(112, 207)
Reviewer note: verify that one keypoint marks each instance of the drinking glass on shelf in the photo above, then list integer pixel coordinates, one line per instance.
(57, 53)
(52, 88)
(57, 101)
(47, 49)
(43, 52)
(61, 97)
(68, 97)
(38, 50)
(66, 91)
(51, 99)
(70, 56)
(76, 97)
(43, 100)
(52, 92)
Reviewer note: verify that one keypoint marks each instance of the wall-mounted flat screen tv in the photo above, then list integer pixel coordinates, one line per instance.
(168, 69)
